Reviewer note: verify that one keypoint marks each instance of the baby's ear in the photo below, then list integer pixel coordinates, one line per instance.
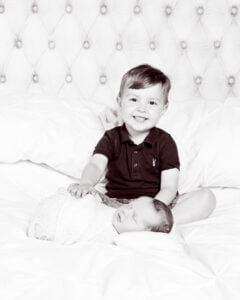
(119, 101)
(166, 228)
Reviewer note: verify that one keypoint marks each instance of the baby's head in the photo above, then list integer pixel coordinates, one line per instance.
(143, 97)
(143, 214)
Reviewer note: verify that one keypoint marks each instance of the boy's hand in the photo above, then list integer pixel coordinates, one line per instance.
(79, 190)
(110, 118)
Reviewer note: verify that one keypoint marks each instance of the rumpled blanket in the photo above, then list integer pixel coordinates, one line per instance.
(65, 219)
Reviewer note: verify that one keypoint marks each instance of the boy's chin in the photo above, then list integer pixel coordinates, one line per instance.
(147, 124)
(141, 128)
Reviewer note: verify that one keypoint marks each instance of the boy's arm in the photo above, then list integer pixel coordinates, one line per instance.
(91, 175)
(169, 185)
(94, 170)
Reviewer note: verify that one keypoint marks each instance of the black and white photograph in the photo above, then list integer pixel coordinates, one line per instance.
(119, 149)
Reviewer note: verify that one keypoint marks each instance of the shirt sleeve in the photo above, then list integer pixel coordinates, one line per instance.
(105, 146)
(169, 154)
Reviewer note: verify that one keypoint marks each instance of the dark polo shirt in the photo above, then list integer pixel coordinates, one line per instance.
(135, 170)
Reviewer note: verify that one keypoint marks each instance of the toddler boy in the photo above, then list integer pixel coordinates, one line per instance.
(140, 159)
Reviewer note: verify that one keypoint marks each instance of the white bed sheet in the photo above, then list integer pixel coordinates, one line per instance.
(207, 266)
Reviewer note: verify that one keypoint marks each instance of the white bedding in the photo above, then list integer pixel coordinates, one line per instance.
(203, 263)
(66, 219)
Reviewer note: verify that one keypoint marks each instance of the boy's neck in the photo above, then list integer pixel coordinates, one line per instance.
(137, 137)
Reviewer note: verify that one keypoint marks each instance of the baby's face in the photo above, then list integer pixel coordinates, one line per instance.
(141, 109)
(139, 215)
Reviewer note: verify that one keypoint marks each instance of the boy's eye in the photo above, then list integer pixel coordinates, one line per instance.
(153, 102)
(133, 99)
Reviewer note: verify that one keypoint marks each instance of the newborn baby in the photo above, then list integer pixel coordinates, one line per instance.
(65, 219)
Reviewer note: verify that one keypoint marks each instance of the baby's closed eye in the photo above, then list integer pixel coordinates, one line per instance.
(134, 217)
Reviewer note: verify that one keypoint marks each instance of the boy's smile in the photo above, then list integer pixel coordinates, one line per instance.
(141, 109)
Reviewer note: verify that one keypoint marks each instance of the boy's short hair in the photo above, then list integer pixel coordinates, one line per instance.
(144, 76)
(167, 223)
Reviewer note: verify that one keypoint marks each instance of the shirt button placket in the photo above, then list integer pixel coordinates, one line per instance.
(135, 164)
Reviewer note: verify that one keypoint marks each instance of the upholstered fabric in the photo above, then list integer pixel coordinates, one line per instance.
(81, 48)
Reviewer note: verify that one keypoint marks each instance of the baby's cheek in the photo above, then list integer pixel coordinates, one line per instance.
(126, 227)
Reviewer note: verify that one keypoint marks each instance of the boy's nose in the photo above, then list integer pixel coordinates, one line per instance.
(141, 105)
(141, 109)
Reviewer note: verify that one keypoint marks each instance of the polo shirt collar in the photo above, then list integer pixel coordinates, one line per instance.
(125, 137)
(124, 134)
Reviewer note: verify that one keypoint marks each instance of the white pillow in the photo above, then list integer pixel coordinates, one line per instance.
(183, 120)
(218, 141)
(57, 132)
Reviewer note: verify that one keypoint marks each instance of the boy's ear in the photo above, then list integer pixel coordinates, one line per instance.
(165, 107)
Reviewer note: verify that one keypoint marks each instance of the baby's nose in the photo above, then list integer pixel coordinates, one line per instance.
(127, 211)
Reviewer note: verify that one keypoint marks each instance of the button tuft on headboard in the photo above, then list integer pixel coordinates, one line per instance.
(2, 8)
(200, 10)
(119, 46)
(103, 9)
(35, 78)
(103, 78)
(198, 80)
(168, 10)
(68, 78)
(3, 78)
(18, 43)
(234, 10)
(35, 8)
(231, 80)
(68, 8)
(137, 9)
(183, 44)
(86, 44)
(51, 44)
(217, 44)
(152, 45)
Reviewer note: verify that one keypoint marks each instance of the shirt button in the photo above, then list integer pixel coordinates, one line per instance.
(135, 165)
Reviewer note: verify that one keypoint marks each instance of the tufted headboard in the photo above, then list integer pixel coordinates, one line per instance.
(81, 48)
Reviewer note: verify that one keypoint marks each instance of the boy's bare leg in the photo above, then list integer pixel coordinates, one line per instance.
(194, 206)
(112, 202)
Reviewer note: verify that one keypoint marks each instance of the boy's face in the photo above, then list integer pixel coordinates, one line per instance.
(139, 215)
(141, 109)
